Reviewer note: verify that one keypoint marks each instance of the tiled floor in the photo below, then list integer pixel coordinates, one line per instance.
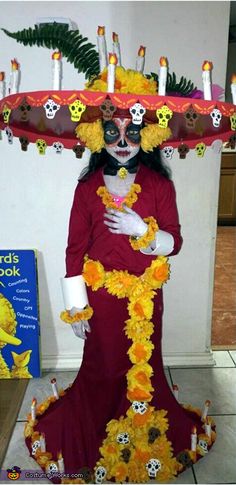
(224, 302)
(195, 385)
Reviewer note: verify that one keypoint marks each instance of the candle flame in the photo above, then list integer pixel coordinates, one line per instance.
(115, 37)
(113, 58)
(207, 402)
(53, 380)
(163, 62)
(194, 430)
(43, 436)
(15, 65)
(2, 76)
(233, 78)
(207, 66)
(101, 30)
(34, 401)
(56, 55)
(175, 387)
(141, 51)
(59, 455)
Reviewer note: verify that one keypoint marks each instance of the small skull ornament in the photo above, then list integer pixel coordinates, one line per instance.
(183, 149)
(137, 112)
(24, 143)
(58, 146)
(233, 122)
(107, 109)
(9, 134)
(78, 150)
(100, 474)
(191, 117)
(164, 115)
(139, 407)
(51, 108)
(51, 467)
(122, 438)
(6, 114)
(24, 109)
(153, 466)
(41, 145)
(76, 110)
(203, 446)
(216, 117)
(167, 152)
(200, 149)
(35, 446)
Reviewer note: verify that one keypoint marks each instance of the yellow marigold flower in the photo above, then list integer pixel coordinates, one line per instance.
(94, 274)
(120, 471)
(142, 454)
(141, 308)
(92, 134)
(140, 352)
(126, 81)
(152, 136)
(158, 273)
(43, 457)
(120, 283)
(139, 373)
(139, 330)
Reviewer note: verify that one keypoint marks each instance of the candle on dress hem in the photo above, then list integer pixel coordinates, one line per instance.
(162, 76)
(60, 462)
(206, 409)
(102, 47)
(111, 73)
(207, 427)
(206, 79)
(116, 48)
(14, 77)
(2, 85)
(194, 439)
(54, 388)
(233, 87)
(176, 391)
(42, 442)
(56, 70)
(140, 61)
(33, 409)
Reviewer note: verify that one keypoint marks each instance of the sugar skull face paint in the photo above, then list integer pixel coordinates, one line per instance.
(122, 139)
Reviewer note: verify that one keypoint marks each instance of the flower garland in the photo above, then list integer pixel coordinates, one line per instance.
(85, 314)
(129, 199)
(144, 241)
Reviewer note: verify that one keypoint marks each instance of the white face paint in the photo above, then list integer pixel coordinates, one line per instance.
(122, 139)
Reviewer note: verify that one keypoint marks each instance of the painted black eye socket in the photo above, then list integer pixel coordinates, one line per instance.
(167, 117)
(160, 115)
(54, 107)
(194, 116)
(141, 111)
(112, 108)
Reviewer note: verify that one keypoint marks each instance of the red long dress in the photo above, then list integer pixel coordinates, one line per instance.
(75, 424)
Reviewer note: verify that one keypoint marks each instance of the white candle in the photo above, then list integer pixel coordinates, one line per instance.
(111, 73)
(42, 442)
(56, 70)
(207, 427)
(60, 462)
(206, 79)
(116, 48)
(194, 439)
(176, 391)
(14, 77)
(162, 76)
(54, 388)
(2, 85)
(102, 48)
(206, 409)
(33, 409)
(233, 87)
(140, 61)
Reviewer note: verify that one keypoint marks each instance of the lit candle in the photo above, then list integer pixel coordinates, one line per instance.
(194, 439)
(102, 48)
(206, 78)
(60, 462)
(14, 77)
(111, 73)
(2, 85)
(176, 391)
(207, 427)
(54, 388)
(33, 409)
(42, 442)
(140, 61)
(162, 76)
(206, 409)
(233, 87)
(116, 48)
(56, 70)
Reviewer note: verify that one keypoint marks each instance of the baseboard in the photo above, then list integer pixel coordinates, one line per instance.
(173, 359)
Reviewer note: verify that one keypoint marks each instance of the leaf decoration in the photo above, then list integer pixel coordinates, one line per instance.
(73, 46)
(183, 87)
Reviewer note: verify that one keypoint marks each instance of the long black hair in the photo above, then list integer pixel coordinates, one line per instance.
(152, 160)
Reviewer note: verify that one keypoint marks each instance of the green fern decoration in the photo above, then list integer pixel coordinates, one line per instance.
(73, 46)
(183, 87)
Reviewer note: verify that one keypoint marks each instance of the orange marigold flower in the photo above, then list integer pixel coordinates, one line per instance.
(142, 455)
(138, 395)
(141, 419)
(140, 352)
(142, 378)
(94, 274)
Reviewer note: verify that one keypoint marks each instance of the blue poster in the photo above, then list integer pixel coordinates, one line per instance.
(19, 315)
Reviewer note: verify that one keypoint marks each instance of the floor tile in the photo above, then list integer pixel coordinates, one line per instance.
(41, 388)
(222, 358)
(216, 384)
(223, 327)
(219, 465)
(233, 355)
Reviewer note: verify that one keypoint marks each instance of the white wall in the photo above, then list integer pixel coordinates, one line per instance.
(36, 191)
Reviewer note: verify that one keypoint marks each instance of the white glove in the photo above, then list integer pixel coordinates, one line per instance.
(128, 222)
(79, 328)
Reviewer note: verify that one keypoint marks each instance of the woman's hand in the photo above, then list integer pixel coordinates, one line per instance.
(128, 222)
(79, 328)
